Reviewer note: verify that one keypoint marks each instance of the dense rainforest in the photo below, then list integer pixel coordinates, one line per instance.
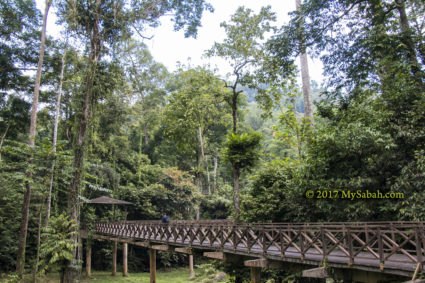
(91, 113)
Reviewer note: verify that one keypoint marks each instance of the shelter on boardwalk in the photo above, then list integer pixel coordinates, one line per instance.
(111, 201)
(108, 200)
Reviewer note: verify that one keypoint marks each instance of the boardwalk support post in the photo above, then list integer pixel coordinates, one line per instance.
(114, 257)
(192, 272)
(88, 258)
(255, 274)
(152, 263)
(124, 259)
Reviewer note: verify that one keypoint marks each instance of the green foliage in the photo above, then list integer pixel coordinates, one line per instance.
(244, 49)
(196, 103)
(217, 205)
(172, 191)
(242, 150)
(14, 117)
(19, 34)
(56, 247)
(272, 195)
(296, 131)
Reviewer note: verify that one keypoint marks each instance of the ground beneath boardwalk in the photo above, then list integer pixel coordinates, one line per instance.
(180, 275)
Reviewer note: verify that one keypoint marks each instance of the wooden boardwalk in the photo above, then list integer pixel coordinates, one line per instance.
(396, 248)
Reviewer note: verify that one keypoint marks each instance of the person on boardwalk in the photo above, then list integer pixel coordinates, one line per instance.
(165, 219)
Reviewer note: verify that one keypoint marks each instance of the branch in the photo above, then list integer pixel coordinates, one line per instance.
(341, 16)
(141, 35)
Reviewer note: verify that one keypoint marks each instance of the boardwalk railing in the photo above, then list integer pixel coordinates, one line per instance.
(394, 245)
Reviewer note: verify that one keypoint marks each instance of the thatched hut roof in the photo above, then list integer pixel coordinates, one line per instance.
(108, 200)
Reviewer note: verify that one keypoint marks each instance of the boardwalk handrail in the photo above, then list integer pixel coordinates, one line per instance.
(398, 245)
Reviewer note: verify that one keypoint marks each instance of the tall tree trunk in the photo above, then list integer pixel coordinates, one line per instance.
(208, 174)
(297, 130)
(215, 172)
(410, 46)
(3, 137)
(235, 111)
(236, 199)
(34, 276)
(234, 167)
(71, 271)
(146, 134)
(55, 135)
(20, 259)
(198, 177)
(305, 75)
(407, 34)
(94, 33)
(201, 145)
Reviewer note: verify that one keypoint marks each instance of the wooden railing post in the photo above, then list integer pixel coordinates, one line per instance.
(324, 244)
(301, 243)
(350, 245)
(419, 256)
(234, 237)
(380, 249)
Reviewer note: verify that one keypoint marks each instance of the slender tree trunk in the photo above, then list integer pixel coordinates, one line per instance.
(297, 130)
(299, 144)
(410, 46)
(140, 152)
(20, 259)
(407, 35)
(146, 134)
(34, 278)
(235, 111)
(3, 137)
(305, 76)
(55, 135)
(198, 177)
(208, 174)
(215, 172)
(236, 170)
(236, 199)
(204, 160)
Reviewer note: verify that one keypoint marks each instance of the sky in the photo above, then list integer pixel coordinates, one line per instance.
(169, 47)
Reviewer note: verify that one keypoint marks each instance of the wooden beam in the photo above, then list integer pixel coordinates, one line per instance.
(88, 259)
(215, 255)
(141, 244)
(152, 265)
(261, 263)
(161, 248)
(183, 250)
(255, 274)
(128, 241)
(265, 263)
(114, 258)
(319, 272)
(124, 259)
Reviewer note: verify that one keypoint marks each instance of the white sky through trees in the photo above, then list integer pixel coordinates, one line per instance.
(169, 47)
